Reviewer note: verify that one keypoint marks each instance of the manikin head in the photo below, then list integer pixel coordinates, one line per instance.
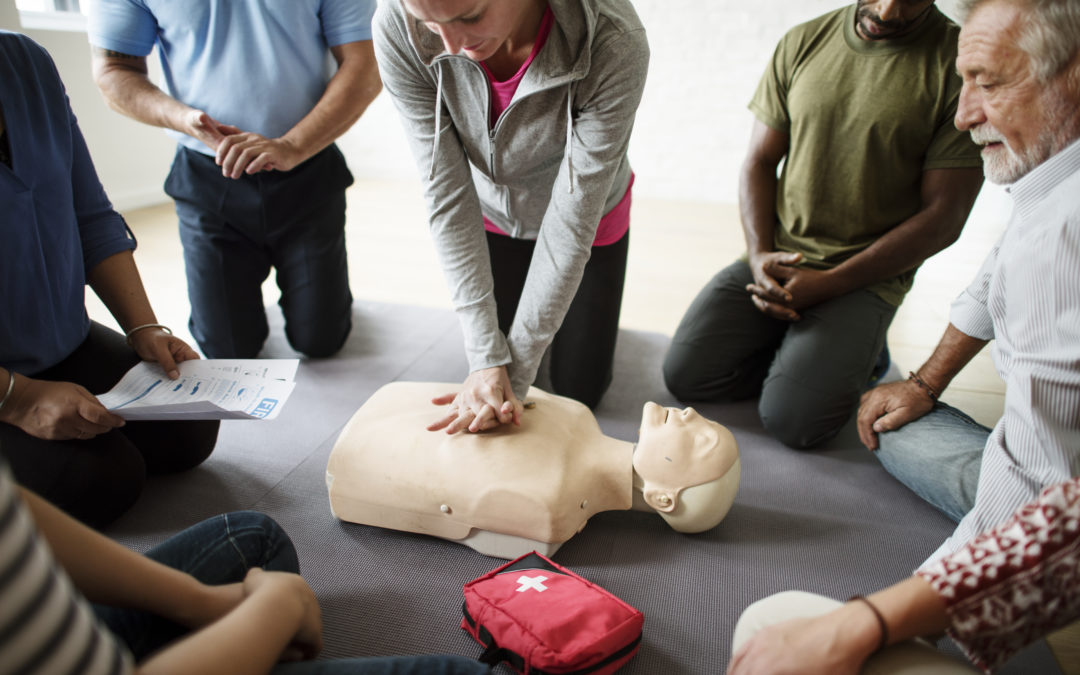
(686, 466)
(1020, 63)
(477, 28)
(889, 19)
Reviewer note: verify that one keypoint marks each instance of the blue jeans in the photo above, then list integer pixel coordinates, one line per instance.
(938, 456)
(221, 550)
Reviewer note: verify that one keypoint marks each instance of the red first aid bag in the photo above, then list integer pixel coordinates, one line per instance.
(543, 619)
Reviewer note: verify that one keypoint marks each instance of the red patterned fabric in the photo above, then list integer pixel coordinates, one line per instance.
(1017, 582)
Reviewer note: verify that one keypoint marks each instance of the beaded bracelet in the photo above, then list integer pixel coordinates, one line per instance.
(880, 619)
(919, 381)
(136, 329)
(10, 388)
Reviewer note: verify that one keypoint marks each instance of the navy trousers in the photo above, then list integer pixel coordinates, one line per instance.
(235, 230)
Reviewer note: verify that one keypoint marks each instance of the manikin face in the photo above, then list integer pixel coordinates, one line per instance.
(1019, 121)
(475, 28)
(886, 19)
(678, 449)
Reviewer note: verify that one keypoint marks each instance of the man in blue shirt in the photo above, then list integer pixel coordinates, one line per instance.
(250, 97)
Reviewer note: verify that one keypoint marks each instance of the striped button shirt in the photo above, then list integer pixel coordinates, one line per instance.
(1026, 298)
(45, 625)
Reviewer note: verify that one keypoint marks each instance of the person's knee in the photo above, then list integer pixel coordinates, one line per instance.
(687, 380)
(776, 608)
(262, 541)
(800, 419)
(201, 439)
(174, 447)
(318, 340)
(586, 390)
(101, 487)
(940, 470)
(227, 343)
(902, 452)
(680, 377)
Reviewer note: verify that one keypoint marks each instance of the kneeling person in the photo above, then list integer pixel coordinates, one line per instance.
(858, 104)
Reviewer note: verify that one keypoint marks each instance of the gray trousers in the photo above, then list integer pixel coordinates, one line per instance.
(809, 373)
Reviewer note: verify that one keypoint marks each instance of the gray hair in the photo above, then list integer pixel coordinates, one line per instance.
(1049, 33)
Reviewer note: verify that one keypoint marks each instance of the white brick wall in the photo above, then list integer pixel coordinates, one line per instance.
(693, 125)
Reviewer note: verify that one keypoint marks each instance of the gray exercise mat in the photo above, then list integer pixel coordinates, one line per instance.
(830, 521)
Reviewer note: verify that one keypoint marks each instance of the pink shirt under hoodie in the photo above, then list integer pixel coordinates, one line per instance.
(614, 224)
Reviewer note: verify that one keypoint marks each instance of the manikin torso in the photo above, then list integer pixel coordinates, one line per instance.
(503, 492)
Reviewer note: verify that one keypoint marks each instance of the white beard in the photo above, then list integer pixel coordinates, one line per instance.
(1005, 165)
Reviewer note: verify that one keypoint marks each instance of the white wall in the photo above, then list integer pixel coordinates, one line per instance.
(691, 131)
(692, 126)
(132, 159)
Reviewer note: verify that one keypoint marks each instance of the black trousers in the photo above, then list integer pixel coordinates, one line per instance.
(809, 373)
(582, 353)
(98, 479)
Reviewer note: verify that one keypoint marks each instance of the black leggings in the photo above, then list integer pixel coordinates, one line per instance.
(98, 479)
(583, 351)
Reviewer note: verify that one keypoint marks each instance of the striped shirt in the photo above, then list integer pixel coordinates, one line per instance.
(45, 625)
(1026, 298)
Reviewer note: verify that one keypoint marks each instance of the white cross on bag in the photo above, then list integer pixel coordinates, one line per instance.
(535, 583)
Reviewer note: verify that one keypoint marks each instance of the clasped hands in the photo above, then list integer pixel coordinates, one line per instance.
(781, 289)
(486, 401)
(238, 151)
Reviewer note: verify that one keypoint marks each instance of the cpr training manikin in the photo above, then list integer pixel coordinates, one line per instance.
(516, 489)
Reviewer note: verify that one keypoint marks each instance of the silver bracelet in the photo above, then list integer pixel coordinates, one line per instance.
(10, 388)
(136, 329)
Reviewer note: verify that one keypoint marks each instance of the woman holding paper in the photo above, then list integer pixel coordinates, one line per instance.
(60, 233)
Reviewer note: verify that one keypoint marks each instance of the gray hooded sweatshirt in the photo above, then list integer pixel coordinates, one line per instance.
(551, 167)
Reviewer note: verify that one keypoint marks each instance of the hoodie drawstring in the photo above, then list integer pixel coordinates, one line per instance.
(570, 136)
(569, 129)
(438, 122)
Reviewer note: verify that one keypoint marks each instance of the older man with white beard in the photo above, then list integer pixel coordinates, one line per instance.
(1016, 581)
(1020, 62)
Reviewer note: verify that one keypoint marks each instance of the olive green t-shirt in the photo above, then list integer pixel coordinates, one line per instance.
(864, 119)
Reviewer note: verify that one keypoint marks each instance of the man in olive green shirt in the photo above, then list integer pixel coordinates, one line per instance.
(859, 104)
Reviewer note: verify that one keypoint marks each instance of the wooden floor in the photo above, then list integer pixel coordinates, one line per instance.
(675, 247)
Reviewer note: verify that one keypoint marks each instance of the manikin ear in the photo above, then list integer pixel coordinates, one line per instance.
(702, 507)
(664, 501)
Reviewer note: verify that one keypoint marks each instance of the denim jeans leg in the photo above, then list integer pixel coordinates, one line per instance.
(938, 456)
(219, 550)
(432, 664)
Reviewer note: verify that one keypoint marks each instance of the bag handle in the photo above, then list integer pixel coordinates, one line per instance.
(493, 654)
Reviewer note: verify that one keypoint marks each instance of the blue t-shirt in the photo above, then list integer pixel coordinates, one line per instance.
(260, 65)
(55, 221)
